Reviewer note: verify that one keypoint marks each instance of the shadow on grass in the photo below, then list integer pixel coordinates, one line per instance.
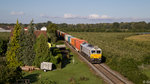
(65, 61)
(103, 59)
(66, 57)
(33, 77)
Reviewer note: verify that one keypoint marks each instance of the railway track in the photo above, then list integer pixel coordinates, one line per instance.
(102, 70)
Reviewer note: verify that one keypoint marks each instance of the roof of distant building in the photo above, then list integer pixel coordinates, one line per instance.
(43, 28)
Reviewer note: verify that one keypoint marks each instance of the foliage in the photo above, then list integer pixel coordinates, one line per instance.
(4, 39)
(9, 74)
(40, 25)
(106, 27)
(56, 57)
(51, 31)
(30, 42)
(147, 59)
(132, 73)
(41, 50)
(22, 43)
(121, 54)
(3, 47)
(11, 55)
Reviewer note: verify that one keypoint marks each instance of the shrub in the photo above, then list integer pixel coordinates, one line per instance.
(9, 75)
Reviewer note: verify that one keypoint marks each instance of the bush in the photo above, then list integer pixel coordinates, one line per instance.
(9, 75)
(56, 57)
(3, 47)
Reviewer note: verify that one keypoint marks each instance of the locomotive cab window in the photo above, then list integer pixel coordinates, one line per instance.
(98, 52)
(93, 51)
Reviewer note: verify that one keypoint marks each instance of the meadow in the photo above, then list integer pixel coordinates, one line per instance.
(4, 35)
(124, 52)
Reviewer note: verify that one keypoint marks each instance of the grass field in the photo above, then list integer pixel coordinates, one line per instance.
(145, 37)
(122, 55)
(77, 73)
(4, 35)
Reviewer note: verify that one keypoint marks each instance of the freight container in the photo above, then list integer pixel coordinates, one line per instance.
(73, 41)
(63, 35)
(78, 42)
(66, 37)
(69, 39)
(58, 33)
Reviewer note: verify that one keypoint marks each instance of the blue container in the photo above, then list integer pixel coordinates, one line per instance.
(69, 38)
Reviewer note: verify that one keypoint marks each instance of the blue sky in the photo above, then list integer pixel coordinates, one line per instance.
(74, 11)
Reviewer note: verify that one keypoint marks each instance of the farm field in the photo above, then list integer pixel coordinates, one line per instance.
(77, 73)
(4, 35)
(145, 37)
(123, 55)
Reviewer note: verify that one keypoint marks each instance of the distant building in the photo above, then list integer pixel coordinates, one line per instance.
(4, 30)
(38, 32)
(1, 28)
(25, 28)
(43, 29)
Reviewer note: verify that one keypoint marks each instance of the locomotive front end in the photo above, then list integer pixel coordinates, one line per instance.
(96, 55)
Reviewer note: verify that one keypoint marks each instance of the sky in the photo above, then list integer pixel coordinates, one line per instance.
(74, 11)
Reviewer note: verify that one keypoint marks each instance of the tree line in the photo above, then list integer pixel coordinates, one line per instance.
(106, 27)
(141, 26)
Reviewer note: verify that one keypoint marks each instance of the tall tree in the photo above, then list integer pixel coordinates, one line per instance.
(12, 52)
(12, 70)
(51, 31)
(30, 42)
(42, 50)
(22, 43)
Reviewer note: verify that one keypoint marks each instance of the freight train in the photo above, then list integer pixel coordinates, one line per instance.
(90, 52)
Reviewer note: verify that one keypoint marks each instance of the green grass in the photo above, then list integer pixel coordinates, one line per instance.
(4, 35)
(73, 73)
(147, 72)
(119, 51)
(145, 37)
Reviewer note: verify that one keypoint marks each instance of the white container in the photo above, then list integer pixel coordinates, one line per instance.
(46, 66)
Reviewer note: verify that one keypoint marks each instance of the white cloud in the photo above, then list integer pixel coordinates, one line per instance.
(91, 16)
(105, 17)
(17, 13)
(94, 16)
(70, 16)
